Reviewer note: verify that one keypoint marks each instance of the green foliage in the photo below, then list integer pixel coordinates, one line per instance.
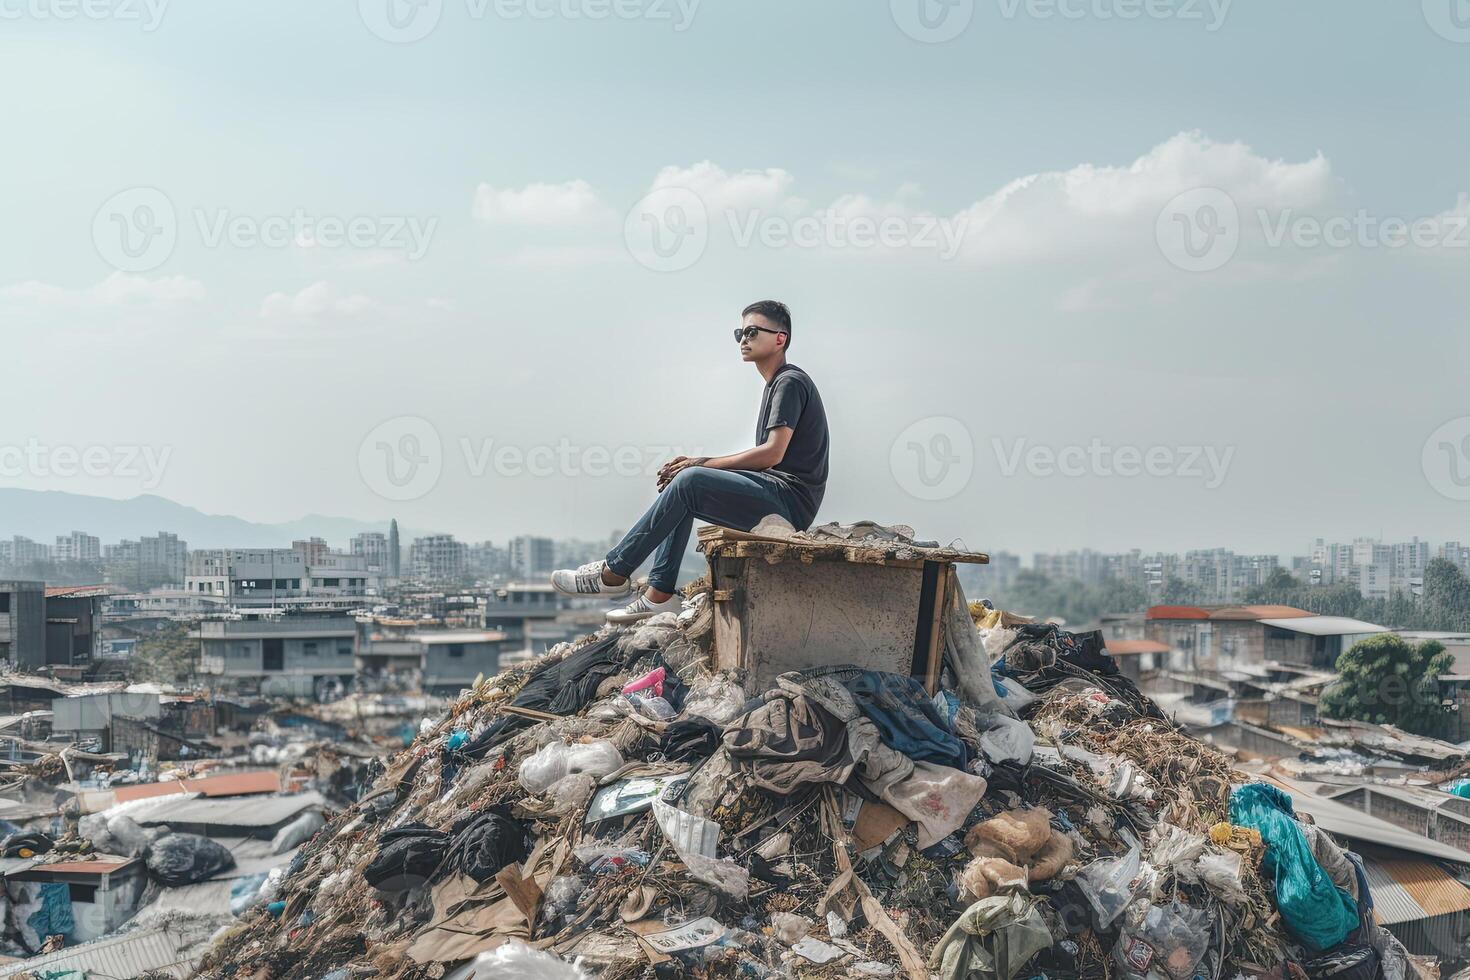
(1389, 681)
(1034, 594)
(1445, 604)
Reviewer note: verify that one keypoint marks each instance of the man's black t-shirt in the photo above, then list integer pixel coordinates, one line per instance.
(791, 399)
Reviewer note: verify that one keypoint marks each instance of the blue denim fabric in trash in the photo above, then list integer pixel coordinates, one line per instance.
(729, 498)
(907, 718)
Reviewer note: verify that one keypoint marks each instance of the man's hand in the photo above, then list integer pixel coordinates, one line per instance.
(671, 469)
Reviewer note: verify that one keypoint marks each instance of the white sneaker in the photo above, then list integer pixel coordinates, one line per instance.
(643, 608)
(587, 580)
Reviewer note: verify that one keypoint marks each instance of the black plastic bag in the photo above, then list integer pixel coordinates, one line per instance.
(185, 859)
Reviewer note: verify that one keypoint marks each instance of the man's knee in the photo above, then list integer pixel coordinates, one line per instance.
(691, 479)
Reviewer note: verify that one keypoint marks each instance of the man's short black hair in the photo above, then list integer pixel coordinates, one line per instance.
(773, 310)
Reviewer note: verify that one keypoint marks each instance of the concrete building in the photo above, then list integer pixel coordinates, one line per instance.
(23, 551)
(532, 617)
(311, 550)
(336, 573)
(439, 662)
(438, 557)
(92, 715)
(291, 655)
(74, 625)
(532, 559)
(395, 562)
(23, 623)
(247, 576)
(163, 556)
(372, 547)
(104, 893)
(1216, 638)
(78, 546)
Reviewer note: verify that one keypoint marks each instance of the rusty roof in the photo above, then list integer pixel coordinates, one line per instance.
(229, 784)
(1234, 612)
(85, 867)
(1409, 888)
(1126, 647)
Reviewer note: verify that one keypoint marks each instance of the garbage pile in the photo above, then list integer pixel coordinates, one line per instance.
(616, 809)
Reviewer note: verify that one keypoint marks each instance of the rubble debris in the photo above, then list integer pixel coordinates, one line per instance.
(1031, 814)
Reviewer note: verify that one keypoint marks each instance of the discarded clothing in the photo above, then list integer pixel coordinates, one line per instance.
(788, 742)
(408, 856)
(562, 688)
(485, 844)
(992, 939)
(1333, 859)
(907, 718)
(1318, 913)
(690, 739)
(54, 917)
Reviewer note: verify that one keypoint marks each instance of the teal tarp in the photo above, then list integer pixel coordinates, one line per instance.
(1315, 910)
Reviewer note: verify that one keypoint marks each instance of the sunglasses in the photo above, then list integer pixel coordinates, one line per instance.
(742, 334)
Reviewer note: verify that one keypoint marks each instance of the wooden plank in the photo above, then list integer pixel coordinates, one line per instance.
(942, 596)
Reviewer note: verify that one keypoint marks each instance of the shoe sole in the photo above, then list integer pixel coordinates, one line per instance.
(590, 595)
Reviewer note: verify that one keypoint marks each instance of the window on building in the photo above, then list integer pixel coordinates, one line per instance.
(456, 650)
(344, 649)
(330, 582)
(82, 893)
(308, 648)
(4, 602)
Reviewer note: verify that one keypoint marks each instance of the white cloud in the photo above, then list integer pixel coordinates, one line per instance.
(768, 189)
(118, 291)
(1096, 208)
(317, 301)
(571, 203)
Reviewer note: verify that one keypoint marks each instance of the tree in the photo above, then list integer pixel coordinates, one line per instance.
(1177, 592)
(1388, 681)
(1446, 601)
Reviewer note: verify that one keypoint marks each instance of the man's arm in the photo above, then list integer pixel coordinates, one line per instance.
(762, 457)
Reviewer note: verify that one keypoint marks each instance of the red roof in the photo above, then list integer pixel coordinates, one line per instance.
(1246, 613)
(1126, 647)
(230, 784)
(59, 591)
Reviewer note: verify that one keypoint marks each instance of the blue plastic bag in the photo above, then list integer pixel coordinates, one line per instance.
(1315, 910)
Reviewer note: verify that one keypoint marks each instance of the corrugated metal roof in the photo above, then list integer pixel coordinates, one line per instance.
(1325, 625)
(1343, 820)
(86, 867)
(1126, 647)
(1405, 889)
(128, 955)
(255, 811)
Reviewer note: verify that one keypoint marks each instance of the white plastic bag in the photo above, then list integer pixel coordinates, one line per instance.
(570, 793)
(1220, 872)
(556, 761)
(1007, 740)
(716, 698)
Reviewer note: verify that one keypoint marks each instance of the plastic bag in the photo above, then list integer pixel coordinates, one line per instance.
(560, 898)
(1220, 872)
(717, 698)
(556, 761)
(1168, 941)
(184, 859)
(1004, 739)
(570, 793)
(652, 682)
(297, 832)
(652, 707)
(1109, 884)
(1176, 851)
(789, 927)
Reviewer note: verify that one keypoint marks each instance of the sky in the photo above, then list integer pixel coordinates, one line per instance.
(1068, 273)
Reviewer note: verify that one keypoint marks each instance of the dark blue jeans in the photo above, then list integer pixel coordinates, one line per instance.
(729, 498)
